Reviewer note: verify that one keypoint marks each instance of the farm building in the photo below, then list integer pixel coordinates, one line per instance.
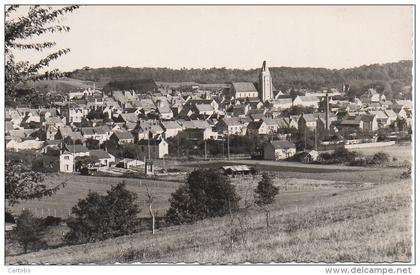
(279, 149)
(236, 170)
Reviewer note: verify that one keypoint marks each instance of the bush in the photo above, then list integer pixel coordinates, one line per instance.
(380, 158)
(343, 155)
(207, 193)
(266, 191)
(101, 217)
(9, 217)
(52, 221)
(28, 231)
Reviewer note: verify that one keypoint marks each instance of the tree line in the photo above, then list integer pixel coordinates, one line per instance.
(390, 78)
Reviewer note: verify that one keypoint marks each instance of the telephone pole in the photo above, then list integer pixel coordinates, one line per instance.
(205, 150)
(228, 148)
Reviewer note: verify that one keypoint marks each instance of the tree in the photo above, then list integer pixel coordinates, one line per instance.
(28, 230)
(24, 184)
(18, 32)
(264, 195)
(150, 198)
(207, 193)
(84, 163)
(98, 217)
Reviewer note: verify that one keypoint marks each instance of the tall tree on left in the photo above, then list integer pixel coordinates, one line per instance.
(22, 26)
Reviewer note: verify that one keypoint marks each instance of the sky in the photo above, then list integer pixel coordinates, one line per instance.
(233, 36)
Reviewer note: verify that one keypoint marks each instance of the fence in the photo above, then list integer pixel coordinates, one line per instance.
(369, 145)
(40, 212)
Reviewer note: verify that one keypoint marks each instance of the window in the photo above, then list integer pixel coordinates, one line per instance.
(66, 157)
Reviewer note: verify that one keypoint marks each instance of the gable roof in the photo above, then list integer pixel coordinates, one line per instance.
(244, 87)
(122, 134)
(171, 125)
(76, 148)
(282, 144)
(100, 154)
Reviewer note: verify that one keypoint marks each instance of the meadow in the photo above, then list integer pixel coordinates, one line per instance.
(317, 217)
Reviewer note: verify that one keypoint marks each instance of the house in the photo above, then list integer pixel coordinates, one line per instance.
(68, 157)
(99, 133)
(198, 130)
(172, 128)
(363, 122)
(129, 163)
(271, 124)
(278, 149)
(66, 132)
(391, 115)
(75, 114)
(242, 90)
(55, 121)
(203, 110)
(306, 101)
(306, 122)
(259, 127)
(104, 158)
(122, 137)
(165, 112)
(399, 111)
(126, 118)
(232, 126)
(382, 118)
(372, 96)
(239, 110)
(280, 103)
(153, 149)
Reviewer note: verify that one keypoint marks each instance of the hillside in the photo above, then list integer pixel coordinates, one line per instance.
(64, 85)
(392, 78)
(356, 224)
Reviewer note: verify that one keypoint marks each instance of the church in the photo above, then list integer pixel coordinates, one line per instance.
(263, 91)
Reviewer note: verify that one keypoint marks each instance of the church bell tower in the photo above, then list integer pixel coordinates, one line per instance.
(265, 84)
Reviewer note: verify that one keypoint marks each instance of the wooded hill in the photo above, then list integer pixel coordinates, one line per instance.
(394, 79)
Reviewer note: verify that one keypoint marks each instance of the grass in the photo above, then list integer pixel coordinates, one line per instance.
(78, 187)
(403, 152)
(315, 221)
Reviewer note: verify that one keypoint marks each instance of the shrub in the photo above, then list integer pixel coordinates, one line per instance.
(207, 193)
(265, 191)
(101, 217)
(28, 231)
(9, 217)
(380, 158)
(51, 221)
(343, 155)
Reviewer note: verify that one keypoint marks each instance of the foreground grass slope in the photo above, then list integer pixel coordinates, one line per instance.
(370, 224)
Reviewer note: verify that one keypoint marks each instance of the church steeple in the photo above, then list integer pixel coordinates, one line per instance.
(265, 83)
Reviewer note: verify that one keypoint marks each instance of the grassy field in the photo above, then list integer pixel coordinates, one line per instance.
(403, 152)
(78, 187)
(317, 217)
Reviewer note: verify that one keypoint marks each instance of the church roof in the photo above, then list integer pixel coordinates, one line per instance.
(244, 87)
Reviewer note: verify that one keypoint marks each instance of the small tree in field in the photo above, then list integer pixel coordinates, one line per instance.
(207, 193)
(100, 217)
(265, 194)
(28, 230)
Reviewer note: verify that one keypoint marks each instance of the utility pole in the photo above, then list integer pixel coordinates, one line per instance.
(205, 150)
(148, 145)
(228, 148)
